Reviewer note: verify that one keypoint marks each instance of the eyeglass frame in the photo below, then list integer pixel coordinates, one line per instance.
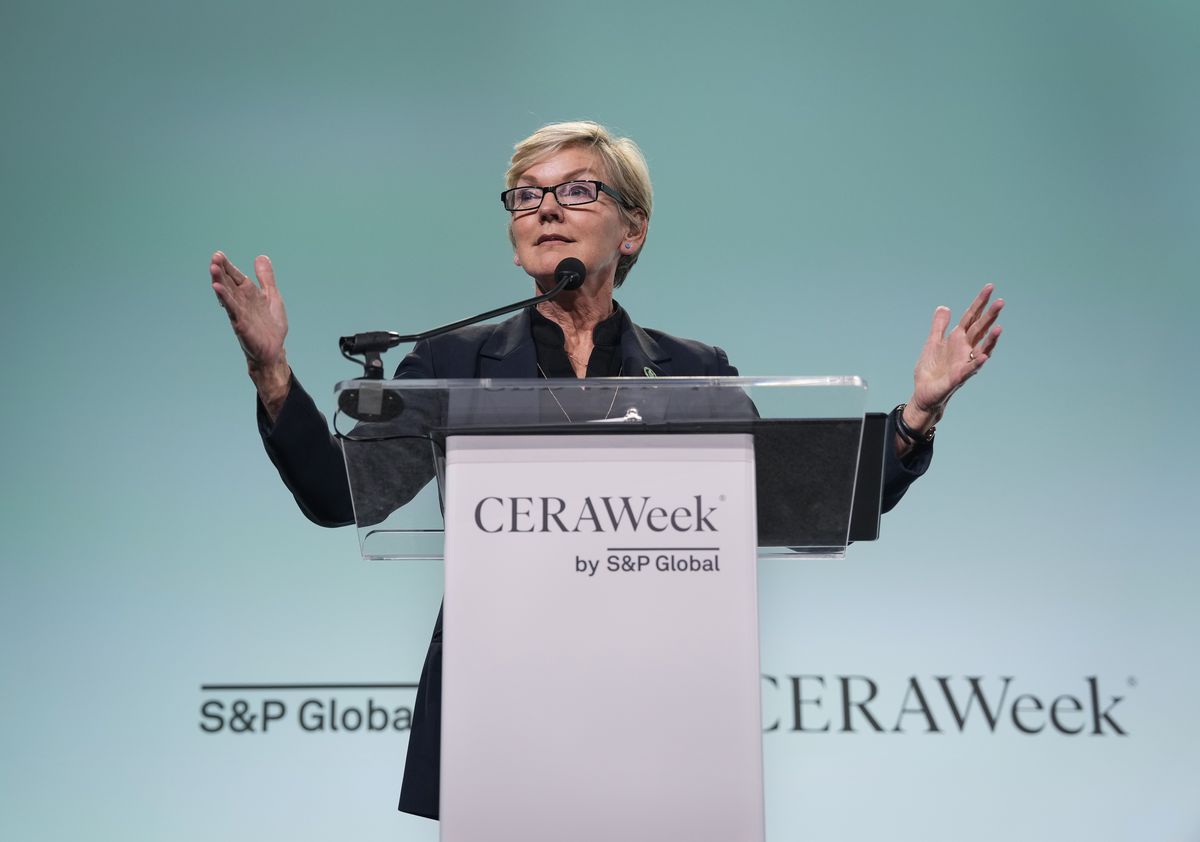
(601, 187)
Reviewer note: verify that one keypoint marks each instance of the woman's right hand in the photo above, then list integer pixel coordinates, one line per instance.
(259, 322)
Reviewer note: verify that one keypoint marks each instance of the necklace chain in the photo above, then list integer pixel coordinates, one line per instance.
(563, 409)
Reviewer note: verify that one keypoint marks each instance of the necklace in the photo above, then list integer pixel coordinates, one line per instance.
(563, 409)
(575, 359)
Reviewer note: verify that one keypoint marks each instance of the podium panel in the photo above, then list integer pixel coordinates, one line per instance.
(601, 673)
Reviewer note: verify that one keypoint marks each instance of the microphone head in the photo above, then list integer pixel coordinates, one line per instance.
(573, 270)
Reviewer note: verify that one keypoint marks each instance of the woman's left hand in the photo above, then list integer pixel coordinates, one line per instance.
(949, 361)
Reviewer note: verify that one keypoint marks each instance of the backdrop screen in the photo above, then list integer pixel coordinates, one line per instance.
(186, 657)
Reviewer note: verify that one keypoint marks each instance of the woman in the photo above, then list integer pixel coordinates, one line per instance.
(573, 189)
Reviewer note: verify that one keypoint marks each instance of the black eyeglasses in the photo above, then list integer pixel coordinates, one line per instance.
(567, 194)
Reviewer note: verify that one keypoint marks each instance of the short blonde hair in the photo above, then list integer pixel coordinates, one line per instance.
(624, 165)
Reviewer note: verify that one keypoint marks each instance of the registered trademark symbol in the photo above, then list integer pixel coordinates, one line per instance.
(1131, 681)
(722, 498)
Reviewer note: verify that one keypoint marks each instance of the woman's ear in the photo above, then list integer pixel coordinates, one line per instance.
(516, 260)
(635, 235)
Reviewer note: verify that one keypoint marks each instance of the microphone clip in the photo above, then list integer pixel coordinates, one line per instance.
(371, 345)
(372, 365)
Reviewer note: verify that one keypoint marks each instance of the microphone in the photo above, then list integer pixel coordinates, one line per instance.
(569, 274)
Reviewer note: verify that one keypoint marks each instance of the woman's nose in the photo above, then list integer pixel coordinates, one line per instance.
(550, 208)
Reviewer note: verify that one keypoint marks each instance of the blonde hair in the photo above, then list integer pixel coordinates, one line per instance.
(624, 165)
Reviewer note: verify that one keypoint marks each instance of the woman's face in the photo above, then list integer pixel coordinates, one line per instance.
(595, 233)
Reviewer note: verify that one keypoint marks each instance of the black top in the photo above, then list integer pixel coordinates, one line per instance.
(606, 338)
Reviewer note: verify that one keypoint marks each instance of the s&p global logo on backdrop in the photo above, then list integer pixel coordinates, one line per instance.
(368, 708)
(938, 704)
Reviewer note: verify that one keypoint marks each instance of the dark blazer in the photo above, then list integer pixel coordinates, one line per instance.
(311, 463)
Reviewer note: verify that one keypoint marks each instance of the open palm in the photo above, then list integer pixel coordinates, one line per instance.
(255, 311)
(948, 361)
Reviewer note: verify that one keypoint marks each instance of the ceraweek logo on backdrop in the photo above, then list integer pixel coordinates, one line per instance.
(850, 704)
(797, 704)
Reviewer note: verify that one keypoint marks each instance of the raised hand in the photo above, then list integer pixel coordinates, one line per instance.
(259, 322)
(949, 360)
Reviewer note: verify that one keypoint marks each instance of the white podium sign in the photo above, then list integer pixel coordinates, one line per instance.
(601, 675)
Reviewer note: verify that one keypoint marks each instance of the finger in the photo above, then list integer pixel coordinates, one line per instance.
(980, 328)
(234, 275)
(265, 272)
(972, 313)
(989, 344)
(941, 320)
(224, 301)
(217, 266)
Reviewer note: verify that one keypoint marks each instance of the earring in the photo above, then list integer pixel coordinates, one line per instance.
(628, 246)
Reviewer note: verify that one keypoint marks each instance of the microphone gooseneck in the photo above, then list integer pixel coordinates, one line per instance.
(569, 274)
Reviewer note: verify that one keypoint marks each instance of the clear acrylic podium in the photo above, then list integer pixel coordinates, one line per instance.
(809, 432)
(600, 671)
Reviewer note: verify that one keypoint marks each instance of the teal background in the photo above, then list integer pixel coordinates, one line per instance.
(825, 174)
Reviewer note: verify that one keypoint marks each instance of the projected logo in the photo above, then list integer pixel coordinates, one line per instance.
(803, 704)
(372, 708)
(849, 704)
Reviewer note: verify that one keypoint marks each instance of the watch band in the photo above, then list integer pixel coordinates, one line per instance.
(908, 433)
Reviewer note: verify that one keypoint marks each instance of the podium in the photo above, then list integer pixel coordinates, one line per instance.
(600, 668)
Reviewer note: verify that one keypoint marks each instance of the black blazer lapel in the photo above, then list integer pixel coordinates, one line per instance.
(506, 353)
(641, 356)
(509, 351)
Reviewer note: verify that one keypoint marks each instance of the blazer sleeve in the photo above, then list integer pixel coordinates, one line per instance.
(310, 460)
(899, 474)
